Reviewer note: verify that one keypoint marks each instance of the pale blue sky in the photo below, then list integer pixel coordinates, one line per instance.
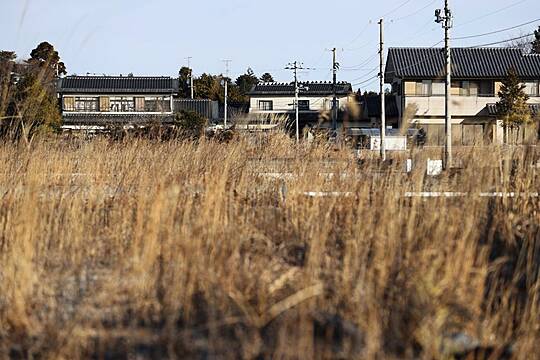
(153, 37)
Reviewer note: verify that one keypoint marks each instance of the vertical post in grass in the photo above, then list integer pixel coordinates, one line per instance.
(446, 21)
(383, 102)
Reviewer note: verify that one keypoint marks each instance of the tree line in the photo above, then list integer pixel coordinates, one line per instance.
(208, 86)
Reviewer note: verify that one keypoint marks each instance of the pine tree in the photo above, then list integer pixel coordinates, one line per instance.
(266, 78)
(536, 42)
(513, 107)
(7, 65)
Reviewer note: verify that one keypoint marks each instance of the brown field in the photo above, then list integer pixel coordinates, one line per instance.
(141, 249)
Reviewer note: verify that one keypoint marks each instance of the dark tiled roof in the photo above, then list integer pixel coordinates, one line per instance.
(373, 106)
(114, 119)
(468, 63)
(117, 84)
(313, 88)
(492, 109)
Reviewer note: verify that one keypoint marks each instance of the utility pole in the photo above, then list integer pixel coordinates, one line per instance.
(227, 62)
(295, 66)
(334, 84)
(446, 20)
(190, 75)
(383, 100)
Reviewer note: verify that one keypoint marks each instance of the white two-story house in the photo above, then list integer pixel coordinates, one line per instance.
(417, 76)
(314, 98)
(115, 100)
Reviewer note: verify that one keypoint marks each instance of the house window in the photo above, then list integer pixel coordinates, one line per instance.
(426, 88)
(423, 88)
(487, 88)
(532, 88)
(266, 105)
(69, 103)
(303, 104)
(465, 88)
(438, 88)
(122, 104)
(86, 104)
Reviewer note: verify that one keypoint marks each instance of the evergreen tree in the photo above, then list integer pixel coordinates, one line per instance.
(246, 81)
(7, 66)
(267, 77)
(207, 86)
(45, 61)
(513, 105)
(31, 105)
(536, 42)
(183, 76)
(33, 109)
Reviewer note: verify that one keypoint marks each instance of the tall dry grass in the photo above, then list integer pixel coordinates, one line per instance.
(143, 249)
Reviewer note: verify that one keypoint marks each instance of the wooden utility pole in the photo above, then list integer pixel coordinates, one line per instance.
(446, 21)
(383, 102)
(227, 62)
(334, 84)
(295, 66)
(190, 76)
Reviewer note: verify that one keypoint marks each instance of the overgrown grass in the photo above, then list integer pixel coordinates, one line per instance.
(190, 250)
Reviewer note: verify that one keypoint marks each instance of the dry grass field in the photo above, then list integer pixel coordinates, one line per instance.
(147, 250)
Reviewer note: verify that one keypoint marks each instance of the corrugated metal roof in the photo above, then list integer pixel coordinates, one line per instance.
(492, 109)
(310, 88)
(117, 84)
(468, 63)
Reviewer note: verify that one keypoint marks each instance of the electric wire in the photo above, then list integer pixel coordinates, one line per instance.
(365, 81)
(491, 13)
(496, 31)
(414, 13)
(396, 9)
(500, 42)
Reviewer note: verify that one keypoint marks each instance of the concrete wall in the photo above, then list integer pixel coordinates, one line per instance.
(461, 105)
(283, 104)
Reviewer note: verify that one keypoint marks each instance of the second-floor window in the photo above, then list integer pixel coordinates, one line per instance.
(266, 105)
(532, 88)
(83, 104)
(426, 88)
(122, 104)
(465, 88)
(303, 104)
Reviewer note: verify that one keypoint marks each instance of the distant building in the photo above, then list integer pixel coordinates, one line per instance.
(417, 76)
(315, 98)
(116, 100)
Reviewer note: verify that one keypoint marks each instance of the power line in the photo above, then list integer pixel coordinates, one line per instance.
(367, 61)
(397, 8)
(365, 81)
(491, 13)
(500, 42)
(414, 13)
(360, 33)
(496, 31)
(367, 74)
